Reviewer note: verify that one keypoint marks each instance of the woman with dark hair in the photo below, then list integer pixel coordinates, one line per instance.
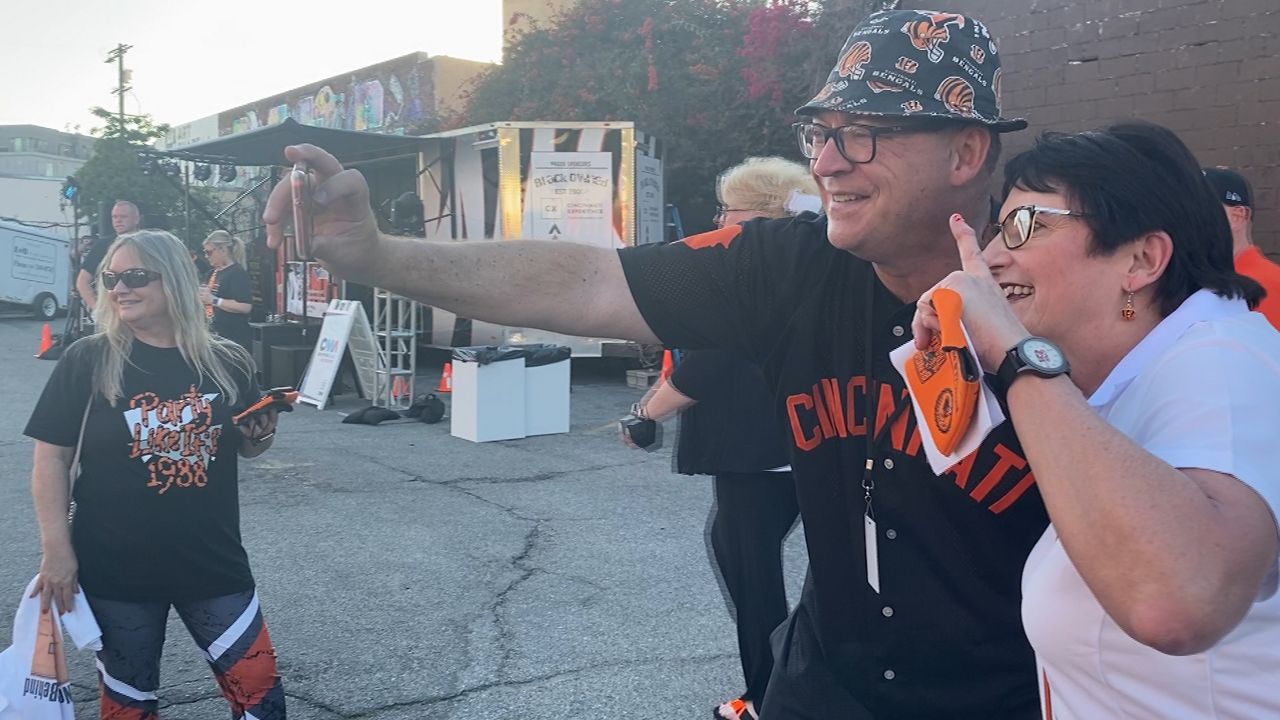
(157, 516)
(1153, 592)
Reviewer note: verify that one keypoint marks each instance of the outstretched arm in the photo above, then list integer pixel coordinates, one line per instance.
(563, 287)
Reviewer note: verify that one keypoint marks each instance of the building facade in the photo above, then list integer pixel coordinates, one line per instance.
(34, 162)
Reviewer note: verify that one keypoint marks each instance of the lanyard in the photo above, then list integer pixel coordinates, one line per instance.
(872, 404)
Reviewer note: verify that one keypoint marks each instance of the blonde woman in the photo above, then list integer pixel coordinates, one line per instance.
(228, 296)
(728, 430)
(157, 521)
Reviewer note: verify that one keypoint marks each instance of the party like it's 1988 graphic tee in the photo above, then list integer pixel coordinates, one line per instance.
(157, 503)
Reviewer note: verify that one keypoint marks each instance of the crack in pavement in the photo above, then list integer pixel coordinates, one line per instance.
(523, 479)
(524, 682)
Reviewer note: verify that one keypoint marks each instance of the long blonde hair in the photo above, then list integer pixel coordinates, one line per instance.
(232, 244)
(209, 356)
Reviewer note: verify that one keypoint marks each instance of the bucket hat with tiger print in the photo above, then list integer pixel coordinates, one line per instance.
(917, 63)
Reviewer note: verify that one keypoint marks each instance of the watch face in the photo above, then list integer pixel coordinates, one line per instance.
(1042, 355)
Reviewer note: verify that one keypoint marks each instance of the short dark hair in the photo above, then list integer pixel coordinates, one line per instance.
(1134, 178)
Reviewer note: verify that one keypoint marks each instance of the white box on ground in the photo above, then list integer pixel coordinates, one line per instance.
(488, 400)
(546, 399)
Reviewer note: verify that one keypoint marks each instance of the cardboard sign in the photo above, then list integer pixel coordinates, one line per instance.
(345, 328)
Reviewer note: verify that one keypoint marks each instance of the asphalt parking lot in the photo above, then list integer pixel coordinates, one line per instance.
(405, 573)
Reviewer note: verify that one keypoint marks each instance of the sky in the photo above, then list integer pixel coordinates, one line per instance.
(194, 58)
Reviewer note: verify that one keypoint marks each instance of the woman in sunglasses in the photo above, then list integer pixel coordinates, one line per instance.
(1153, 593)
(228, 295)
(147, 402)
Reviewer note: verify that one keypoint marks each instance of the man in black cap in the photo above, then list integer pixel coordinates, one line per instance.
(1237, 200)
(911, 605)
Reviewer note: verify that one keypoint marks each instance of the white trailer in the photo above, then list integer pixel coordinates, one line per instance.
(597, 183)
(36, 269)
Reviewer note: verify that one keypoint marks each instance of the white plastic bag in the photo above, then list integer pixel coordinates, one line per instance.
(34, 684)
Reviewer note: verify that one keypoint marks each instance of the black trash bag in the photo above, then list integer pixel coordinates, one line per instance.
(426, 408)
(485, 354)
(371, 415)
(539, 354)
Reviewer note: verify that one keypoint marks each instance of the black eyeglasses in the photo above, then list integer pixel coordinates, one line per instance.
(1017, 227)
(721, 210)
(856, 143)
(133, 278)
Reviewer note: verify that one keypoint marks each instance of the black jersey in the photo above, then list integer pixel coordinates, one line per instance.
(942, 638)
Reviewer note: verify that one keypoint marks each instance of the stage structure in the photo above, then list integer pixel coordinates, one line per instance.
(393, 317)
(596, 183)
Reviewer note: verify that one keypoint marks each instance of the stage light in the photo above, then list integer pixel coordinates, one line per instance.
(226, 173)
(201, 172)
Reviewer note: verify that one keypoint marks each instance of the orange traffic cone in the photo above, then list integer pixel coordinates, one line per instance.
(668, 365)
(46, 340)
(446, 379)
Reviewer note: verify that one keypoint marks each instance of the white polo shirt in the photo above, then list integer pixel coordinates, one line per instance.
(1202, 390)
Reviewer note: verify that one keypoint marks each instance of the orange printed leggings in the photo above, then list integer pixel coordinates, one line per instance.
(228, 629)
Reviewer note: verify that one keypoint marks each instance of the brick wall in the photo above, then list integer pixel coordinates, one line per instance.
(1207, 69)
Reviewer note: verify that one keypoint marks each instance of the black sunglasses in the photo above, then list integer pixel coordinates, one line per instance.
(857, 143)
(133, 278)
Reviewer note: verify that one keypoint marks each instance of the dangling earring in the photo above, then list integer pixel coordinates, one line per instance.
(1128, 313)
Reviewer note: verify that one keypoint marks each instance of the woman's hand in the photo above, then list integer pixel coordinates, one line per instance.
(57, 579)
(258, 429)
(991, 324)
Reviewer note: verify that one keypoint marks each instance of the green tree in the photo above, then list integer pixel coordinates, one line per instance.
(112, 173)
(717, 80)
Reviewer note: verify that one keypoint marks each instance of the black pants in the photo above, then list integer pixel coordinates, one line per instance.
(230, 632)
(752, 515)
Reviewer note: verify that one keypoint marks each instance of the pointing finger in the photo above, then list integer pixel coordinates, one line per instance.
(971, 260)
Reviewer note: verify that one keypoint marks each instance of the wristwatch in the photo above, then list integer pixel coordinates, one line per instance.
(1033, 355)
(217, 302)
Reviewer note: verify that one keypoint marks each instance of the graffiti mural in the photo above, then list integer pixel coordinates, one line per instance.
(390, 97)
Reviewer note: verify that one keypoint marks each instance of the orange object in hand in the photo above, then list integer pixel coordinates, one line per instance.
(944, 378)
(282, 399)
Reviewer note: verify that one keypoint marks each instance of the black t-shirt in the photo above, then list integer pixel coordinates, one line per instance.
(94, 257)
(943, 638)
(733, 427)
(232, 283)
(157, 503)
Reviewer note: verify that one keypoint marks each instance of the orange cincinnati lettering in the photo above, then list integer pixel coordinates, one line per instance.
(802, 441)
(824, 417)
(1009, 460)
(1013, 495)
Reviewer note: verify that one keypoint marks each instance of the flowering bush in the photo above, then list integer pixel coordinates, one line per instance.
(716, 80)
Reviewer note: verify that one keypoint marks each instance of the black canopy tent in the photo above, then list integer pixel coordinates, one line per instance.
(265, 146)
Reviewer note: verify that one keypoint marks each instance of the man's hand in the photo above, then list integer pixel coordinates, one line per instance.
(346, 233)
(57, 580)
(206, 295)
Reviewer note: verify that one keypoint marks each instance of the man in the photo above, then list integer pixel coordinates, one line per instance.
(911, 606)
(1237, 200)
(125, 218)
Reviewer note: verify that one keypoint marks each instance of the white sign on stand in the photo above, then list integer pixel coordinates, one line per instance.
(569, 196)
(649, 200)
(345, 327)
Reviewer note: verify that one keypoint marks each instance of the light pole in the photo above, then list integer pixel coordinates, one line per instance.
(117, 56)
